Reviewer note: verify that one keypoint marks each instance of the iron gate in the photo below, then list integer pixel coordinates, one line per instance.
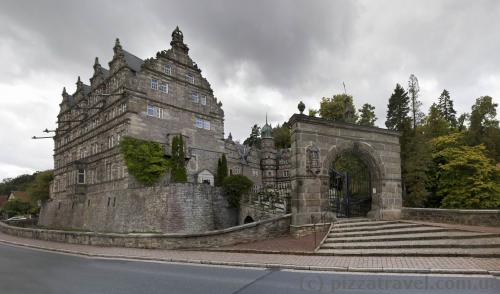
(349, 197)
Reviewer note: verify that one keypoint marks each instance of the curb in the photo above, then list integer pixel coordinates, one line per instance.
(493, 273)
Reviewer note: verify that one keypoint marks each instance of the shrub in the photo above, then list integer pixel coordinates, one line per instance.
(234, 187)
(16, 207)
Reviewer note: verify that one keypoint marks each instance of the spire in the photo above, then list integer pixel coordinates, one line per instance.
(64, 93)
(178, 41)
(97, 65)
(79, 83)
(118, 47)
(266, 118)
(230, 137)
(267, 130)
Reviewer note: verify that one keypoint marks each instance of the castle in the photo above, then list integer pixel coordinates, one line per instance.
(160, 98)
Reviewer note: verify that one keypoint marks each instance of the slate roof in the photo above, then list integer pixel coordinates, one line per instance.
(134, 62)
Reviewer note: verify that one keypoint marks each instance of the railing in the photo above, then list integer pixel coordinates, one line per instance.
(276, 201)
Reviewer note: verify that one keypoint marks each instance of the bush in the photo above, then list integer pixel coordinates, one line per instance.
(234, 187)
(145, 160)
(16, 207)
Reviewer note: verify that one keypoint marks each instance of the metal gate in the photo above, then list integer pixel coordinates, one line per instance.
(349, 197)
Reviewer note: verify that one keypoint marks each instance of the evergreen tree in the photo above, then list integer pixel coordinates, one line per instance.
(461, 121)
(178, 161)
(340, 108)
(254, 139)
(367, 116)
(415, 104)
(397, 110)
(445, 106)
(435, 123)
(282, 137)
(221, 170)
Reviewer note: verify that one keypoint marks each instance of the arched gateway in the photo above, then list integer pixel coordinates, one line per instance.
(343, 170)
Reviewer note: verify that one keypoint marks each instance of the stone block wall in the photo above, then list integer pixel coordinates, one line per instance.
(175, 208)
(261, 230)
(470, 217)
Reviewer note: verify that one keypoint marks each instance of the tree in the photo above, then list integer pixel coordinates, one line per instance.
(468, 178)
(484, 126)
(340, 108)
(367, 116)
(461, 121)
(19, 183)
(221, 170)
(39, 189)
(445, 106)
(397, 110)
(313, 112)
(178, 161)
(234, 187)
(282, 136)
(16, 207)
(254, 139)
(415, 166)
(435, 123)
(415, 104)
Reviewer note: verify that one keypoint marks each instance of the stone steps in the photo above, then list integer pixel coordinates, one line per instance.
(416, 236)
(436, 243)
(465, 252)
(362, 236)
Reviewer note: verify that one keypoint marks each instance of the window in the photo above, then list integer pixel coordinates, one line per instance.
(111, 141)
(154, 84)
(167, 69)
(195, 97)
(285, 173)
(204, 99)
(151, 110)
(199, 123)
(164, 87)
(81, 176)
(236, 170)
(190, 77)
(206, 125)
(255, 172)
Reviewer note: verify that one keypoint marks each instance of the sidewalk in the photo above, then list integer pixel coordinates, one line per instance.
(424, 265)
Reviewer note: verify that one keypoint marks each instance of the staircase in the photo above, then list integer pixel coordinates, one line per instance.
(362, 236)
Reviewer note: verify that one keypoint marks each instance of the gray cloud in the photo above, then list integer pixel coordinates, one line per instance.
(260, 56)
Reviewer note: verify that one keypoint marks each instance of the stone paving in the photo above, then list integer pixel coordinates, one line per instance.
(462, 265)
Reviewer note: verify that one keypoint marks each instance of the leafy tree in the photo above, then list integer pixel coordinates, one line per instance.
(39, 189)
(484, 126)
(282, 136)
(19, 183)
(461, 121)
(178, 161)
(398, 110)
(340, 108)
(367, 116)
(445, 107)
(221, 170)
(415, 104)
(16, 207)
(234, 187)
(313, 112)
(254, 139)
(145, 160)
(468, 178)
(435, 123)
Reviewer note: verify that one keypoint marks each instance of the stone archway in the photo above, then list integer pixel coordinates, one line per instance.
(317, 142)
(248, 220)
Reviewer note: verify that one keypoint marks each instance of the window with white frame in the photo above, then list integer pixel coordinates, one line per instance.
(255, 172)
(206, 125)
(190, 77)
(81, 176)
(167, 69)
(285, 173)
(164, 87)
(195, 97)
(199, 123)
(204, 99)
(151, 110)
(154, 84)
(154, 111)
(236, 170)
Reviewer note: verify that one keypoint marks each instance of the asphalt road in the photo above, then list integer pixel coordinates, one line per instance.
(24, 270)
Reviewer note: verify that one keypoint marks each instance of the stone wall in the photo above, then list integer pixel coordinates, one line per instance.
(472, 217)
(174, 208)
(245, 233)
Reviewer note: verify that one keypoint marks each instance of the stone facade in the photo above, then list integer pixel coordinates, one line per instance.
(175, 208)
(317, 142)
(471, 217)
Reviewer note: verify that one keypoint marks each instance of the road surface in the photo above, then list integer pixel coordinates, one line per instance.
(24, 270)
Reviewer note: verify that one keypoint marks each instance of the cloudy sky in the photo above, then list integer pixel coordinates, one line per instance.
(260, 55)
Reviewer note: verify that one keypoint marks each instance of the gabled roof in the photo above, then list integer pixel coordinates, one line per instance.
(21, 195)
(134, 62)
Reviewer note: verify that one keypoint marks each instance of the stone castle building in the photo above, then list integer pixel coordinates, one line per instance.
(165, 96)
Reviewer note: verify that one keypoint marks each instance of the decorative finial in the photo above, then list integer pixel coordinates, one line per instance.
(266, 118)
(117, 42)
(64, 91)
(230, 137)
(178, 40)
(118, 47)
(301, 107)
(96, 62)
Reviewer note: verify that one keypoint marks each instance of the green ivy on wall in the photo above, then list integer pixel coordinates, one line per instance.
(145, 160)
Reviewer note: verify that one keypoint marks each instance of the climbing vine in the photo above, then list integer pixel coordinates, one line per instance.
(145, 160)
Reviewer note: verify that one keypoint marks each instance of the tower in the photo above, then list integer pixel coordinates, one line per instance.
(268, 160)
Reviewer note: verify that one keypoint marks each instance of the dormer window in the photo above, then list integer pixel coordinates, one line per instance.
(154, 84)
(190, 78)
(195, 97)
(167, 69)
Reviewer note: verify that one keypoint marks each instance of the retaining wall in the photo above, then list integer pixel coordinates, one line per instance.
(471, 217)
(261, 230)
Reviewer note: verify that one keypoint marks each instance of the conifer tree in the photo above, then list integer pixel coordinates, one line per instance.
(367, 115)
(398, 109)
(178, 163)
(413, 92)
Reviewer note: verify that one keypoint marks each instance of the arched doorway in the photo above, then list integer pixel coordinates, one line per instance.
(248, 220)
(350, 186)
